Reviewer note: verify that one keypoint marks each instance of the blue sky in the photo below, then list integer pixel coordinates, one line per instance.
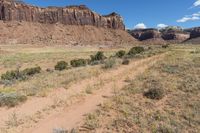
(140, 13)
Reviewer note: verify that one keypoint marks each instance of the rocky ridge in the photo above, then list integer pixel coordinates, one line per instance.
(156, 36)
(69, 15)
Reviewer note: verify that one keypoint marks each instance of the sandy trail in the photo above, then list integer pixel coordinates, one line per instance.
(69, 116)
(73, 115)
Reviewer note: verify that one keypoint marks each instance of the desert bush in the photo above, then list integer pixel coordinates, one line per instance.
(154, 93)
(165, 46)
(98, 56)
(13, 75)
(11, 99)
(136, 50)
(19, 75)
(78, 62)
(125, 62)
(61, 65)
(31, 71)
(120, 53)
(109, 63)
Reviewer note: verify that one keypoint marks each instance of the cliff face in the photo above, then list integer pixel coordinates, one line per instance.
(172, 36)
(176, 36)
(71, 15)
(194, 32)
(145, 34)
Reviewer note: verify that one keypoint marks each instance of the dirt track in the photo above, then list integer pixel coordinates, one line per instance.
(70, 116)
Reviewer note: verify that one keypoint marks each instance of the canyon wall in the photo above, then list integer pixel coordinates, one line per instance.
(70, 15)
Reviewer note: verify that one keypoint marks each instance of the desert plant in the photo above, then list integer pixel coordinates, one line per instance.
(13, 75)
(120, 53)
(109, 63)
(98, 56)
(61, 65)
(154, 93)
(136, 50)
(165, 46)
(125, 62)
(78, 62)
(31, 71)
(11, 99)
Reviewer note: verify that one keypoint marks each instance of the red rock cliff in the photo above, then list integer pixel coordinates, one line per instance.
(71, 15)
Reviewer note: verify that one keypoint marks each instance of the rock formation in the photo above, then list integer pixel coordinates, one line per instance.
(70, 15)
(160, 36)
(194, 32)
(145, 34)
(174, 35)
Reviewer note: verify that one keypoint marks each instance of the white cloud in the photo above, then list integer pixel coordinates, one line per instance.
(185, 19)
(140, 26)
(197, 3)
(196, 14)
(160, 26)
(193, 17)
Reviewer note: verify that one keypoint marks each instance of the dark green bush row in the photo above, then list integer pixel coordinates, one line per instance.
(98, 56)
(120, 54)
(78, 62)
(31, 71)
(11, 99)
(13, 75)
(136, 50)
(20, 75)
(61, 65)
(165, 46)
(94, 60)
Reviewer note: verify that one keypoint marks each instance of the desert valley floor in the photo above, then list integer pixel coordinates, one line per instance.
(106, 97)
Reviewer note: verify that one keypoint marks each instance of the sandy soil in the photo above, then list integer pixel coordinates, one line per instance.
(66, 108)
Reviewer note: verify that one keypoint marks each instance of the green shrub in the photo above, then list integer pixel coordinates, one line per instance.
(11, 99)
(109, 63)
(125, 62)
(120, 53)
(13, 75)
(31, 71)
(78, 62)
(165, 46)
(154, 93)
(136, 50)
(98, 56)
(19, 75)
(61, 65)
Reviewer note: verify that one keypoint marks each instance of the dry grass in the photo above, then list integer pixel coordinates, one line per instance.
(178, 111)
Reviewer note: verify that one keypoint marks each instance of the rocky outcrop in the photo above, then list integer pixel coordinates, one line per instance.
(70, 15)
(160, 36)
(194, 35)
(176, 36)
(194, 32)
(145, 34)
